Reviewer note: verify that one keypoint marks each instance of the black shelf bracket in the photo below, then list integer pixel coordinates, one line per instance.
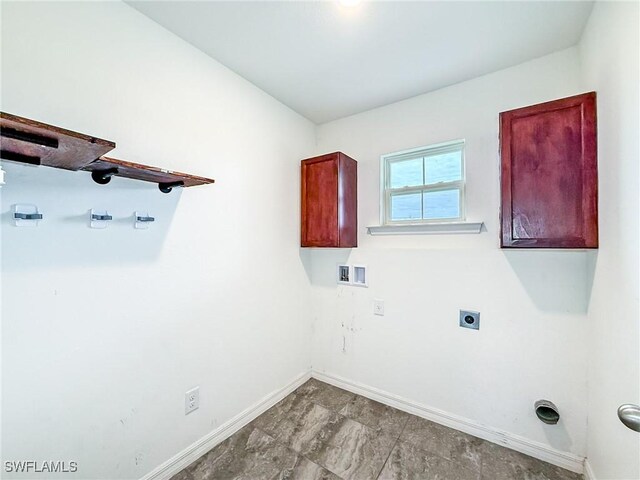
(167, 187)
(103, 176)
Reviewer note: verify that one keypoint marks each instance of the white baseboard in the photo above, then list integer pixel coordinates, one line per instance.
(567, 460)
(213, 438)
(588, 471)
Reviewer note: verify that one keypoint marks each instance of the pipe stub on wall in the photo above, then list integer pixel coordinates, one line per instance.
(630, 415)
(547, 412)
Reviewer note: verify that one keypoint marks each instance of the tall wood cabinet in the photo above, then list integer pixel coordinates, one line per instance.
(549, 180)
(329, 201)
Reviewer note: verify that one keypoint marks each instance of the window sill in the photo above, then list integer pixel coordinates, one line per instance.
(427, 228)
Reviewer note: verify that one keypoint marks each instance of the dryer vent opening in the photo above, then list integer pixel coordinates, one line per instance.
(547, 412)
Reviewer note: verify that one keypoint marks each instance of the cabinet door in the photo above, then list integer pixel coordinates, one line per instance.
(320, 202)
(549, 175)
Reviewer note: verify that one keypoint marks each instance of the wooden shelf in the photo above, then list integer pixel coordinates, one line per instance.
(36, 143)
(145, 173)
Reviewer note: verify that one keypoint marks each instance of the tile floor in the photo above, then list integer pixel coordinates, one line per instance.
(320, 432)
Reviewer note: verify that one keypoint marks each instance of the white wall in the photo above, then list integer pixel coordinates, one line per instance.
(532, 340)
(104, 330)
(609, 51)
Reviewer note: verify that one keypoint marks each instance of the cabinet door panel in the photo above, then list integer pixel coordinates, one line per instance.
(320, 203)
(549, 179)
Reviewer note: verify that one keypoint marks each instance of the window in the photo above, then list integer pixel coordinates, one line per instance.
(423, 185)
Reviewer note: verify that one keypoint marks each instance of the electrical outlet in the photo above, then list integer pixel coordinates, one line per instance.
(378, 307)
(192, 400)
(469, 319)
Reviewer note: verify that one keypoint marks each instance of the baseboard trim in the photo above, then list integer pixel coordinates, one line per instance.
(224, 431)
(588, 471)
(567, 460)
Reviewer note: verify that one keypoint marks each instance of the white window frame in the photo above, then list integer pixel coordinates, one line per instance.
(386, 191)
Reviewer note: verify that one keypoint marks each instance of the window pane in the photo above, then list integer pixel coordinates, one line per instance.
(446, 167)
(405, 173)
(442, 204)
(406, 206)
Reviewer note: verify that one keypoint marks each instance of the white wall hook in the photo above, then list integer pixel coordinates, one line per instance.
(26, 215)
(142, 220)
(99, 218)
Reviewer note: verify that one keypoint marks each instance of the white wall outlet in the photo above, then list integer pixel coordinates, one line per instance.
(192, 400)
(360, 277)
(344, 274)
(378, 307)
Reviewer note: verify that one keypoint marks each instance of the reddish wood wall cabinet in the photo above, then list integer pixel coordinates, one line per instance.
(329, 201)
(549, 177)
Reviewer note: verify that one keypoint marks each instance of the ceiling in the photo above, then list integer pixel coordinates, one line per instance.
(327, 61)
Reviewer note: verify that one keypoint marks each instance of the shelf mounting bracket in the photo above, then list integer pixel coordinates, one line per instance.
(103, 176)
(167, 187)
